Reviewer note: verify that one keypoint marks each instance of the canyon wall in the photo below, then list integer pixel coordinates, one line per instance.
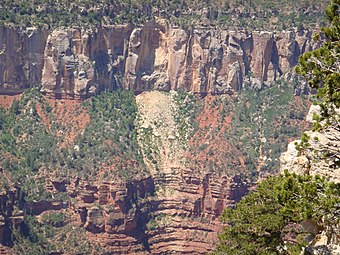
(75, 62)
(172, 213)
(21, 58)
(176, 208)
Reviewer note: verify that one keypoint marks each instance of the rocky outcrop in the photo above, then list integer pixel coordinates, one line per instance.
(320, 157)
(81, 63)
(176, 212)
(186, 210)
(75, 62)
(321, 246)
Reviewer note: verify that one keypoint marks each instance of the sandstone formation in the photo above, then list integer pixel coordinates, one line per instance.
(82, 63)
(74, 62)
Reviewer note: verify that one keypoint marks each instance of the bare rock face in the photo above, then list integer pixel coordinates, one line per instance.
(82, 63)
(172, 212)
(95, 222)
(21, 58)
(186, 211)
(175, 212)
(208, 61)
(312, 160)
(74, 62)
(320, 157)
(323, 249)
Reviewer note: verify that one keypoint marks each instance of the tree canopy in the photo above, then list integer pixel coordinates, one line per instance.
(322, 66)
(270, 219)
(90, 13)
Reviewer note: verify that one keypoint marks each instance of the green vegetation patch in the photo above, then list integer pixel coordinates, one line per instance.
(86, 13)
(188, 107)
(111, 137)
(253, 125)
(270, 220)
(52, 236)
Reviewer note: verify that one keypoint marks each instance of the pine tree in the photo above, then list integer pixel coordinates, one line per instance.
(322, 66)
(267, 221)
(262, 221)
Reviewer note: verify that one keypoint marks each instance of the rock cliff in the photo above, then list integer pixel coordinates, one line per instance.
(175, 212)
(75, 62)
(176, 205)
(319, 157)
(21, 58)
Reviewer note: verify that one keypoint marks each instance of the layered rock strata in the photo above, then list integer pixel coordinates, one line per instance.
(75, 62)
(187, 202)
(170, 213)
(174, 209)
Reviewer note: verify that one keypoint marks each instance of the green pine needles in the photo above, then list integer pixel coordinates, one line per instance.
(303, 144)
(322, 66)
(270, 219)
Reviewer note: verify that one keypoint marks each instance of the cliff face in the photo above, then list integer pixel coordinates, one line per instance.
(21, 58)
(176, 207)
(175, 212)
(79, 63)
(320, 157)
(75, 62)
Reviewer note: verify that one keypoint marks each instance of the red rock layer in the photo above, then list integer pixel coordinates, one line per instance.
(172, 213)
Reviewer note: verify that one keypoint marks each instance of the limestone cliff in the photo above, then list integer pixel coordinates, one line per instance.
(78, 63)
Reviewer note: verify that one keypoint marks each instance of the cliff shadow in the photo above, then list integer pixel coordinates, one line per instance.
(275, 60)
(145, 66)
(138, 192)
